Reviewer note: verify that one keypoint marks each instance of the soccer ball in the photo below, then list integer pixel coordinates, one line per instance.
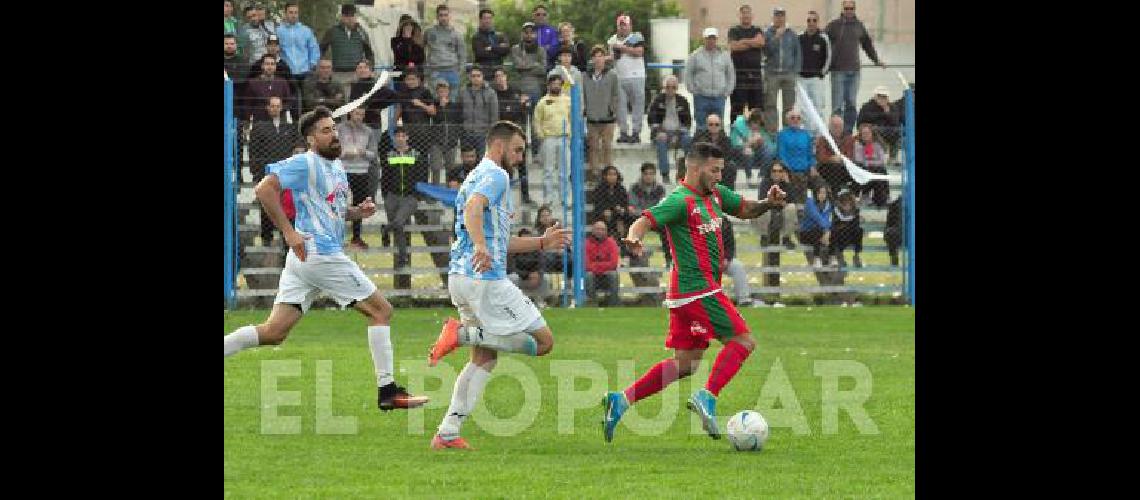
(747, 431)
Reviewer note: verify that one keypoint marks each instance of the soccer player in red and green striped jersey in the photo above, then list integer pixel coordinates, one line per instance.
(698, 308)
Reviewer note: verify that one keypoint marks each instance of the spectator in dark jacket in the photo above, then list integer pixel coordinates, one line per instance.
(270, 139)
(514, 106)
(319, 89)
(488, 46)
(380, 100)
(401, 169)
(268, 84)
(610, 194)
(408, 47)
(577, 48)
(884, 117)
(644, 194)
(847, 34)
(446, 126)
(526, 272)
(846, 230)
(670, 118)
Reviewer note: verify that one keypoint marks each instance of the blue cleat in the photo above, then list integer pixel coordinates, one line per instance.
(616, 404)
(704, 404)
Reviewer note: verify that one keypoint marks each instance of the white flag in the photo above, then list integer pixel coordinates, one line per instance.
(858, 174)
(344, 110)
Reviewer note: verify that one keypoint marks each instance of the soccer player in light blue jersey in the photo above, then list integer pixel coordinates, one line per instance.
(494, 314)
(316, 261)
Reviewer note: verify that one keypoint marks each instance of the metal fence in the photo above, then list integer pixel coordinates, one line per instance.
(773, 260)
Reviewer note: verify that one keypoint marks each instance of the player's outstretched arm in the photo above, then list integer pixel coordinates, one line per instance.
(364, 210)
(751, 209)
(555, 238)
(268, 192)
(636, 231)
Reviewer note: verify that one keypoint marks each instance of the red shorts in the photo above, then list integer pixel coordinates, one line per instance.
(693, 324)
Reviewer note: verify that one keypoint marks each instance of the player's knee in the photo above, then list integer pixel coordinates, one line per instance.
(270, 334)
(382, 313)
(746, 342)
(544, 346)
(684, 370)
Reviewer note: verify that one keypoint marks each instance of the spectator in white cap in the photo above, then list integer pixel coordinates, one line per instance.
(883, 117)
(711, 76)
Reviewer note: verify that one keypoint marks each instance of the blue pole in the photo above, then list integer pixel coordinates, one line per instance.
(576, 149)
(228, 134)
(567, 281)
(909, 203)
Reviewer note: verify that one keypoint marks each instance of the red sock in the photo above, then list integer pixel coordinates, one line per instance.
(661, 375)
(727, 364)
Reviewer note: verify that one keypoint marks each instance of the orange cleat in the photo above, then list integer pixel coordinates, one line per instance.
(448, 340)
(438, 443)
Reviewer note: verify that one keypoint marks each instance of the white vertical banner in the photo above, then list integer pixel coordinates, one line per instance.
(808, 108)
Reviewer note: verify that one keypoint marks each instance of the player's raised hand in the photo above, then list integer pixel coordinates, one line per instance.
(556, 238)
(480, 258)
(776, 196)
(634, 245)
(296, 241)
(367, 208)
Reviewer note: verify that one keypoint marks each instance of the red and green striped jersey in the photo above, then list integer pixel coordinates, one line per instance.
(692, 230)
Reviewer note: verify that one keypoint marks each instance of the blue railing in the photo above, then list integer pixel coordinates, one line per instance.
(908, 185)
(229, 133)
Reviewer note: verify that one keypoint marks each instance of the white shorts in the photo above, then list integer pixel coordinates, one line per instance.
(498, 306)
(335, 275)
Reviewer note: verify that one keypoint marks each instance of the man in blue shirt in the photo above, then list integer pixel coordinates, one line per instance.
(316, 261)
(495, 315)
(298, 44)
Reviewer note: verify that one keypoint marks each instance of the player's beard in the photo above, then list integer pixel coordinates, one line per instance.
(504, 160)
(332, 151)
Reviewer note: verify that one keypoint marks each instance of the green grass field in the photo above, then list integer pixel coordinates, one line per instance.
(556, 450)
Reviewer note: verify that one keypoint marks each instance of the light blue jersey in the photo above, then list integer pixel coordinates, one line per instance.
(491, 181)
(320, 195)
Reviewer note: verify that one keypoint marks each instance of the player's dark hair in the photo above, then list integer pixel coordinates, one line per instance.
(309, 120)
(503, 130)
(702, 151)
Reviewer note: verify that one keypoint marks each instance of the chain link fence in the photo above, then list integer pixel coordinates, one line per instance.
(836, 242)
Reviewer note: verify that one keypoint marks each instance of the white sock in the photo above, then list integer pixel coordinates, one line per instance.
(242, 338)
(473, 379)
(458, 410)
(520, 342)
(380, 343)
